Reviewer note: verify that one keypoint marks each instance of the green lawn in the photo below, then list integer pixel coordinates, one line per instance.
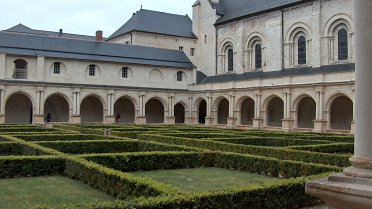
(52, 191)
(204, 179)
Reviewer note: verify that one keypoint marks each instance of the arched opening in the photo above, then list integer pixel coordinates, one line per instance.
(247, 112)
(179, 113)
(91, 110)
(223, 111)
(341, 113)
(306, 113)
(202, 112)
(154, 111)
(301, 50)
(57, 108)
(18, 110)
(275, 112)
(342, 45)
(126, 110)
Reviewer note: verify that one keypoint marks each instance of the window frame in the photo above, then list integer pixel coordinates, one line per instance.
(230, 60)
(179, 76)
(258, 56)
(57, 68)
(92, 70)
(342, 45)
(124, 72)
(301, 50)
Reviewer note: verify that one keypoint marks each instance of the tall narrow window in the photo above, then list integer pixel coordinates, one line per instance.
(342, 45)
(192, 52)
(180, 48)
(301, 44)
(230, 60)
(179, 76)
(258, 56)
(57, 68)
(92, 70)
(20, 69)
(124, 72)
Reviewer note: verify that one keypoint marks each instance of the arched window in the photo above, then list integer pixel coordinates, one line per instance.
(258, 56)
(20, 69)
(342, 45)
(124, 72)
(57, 68)
(230, 60)
(92, 70)
(179, 76)
(301, 50)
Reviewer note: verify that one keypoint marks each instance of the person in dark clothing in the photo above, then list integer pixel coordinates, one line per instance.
(117, 118)
(48, 118)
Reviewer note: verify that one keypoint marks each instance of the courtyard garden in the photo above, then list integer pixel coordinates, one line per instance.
(153, 167)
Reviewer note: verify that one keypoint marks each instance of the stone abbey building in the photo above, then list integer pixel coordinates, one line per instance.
(255, 64)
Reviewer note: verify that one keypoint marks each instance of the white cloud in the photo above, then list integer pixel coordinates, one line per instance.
(81, 16)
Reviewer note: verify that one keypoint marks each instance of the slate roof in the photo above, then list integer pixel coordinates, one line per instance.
(31, 45)
(157, 22)
(234, 9)
(20, 28)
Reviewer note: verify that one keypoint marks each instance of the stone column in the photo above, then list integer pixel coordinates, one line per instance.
(2, 105)
(171, 119)
(257, 120)
(231, 120)
(2, 66)
(209, 120)
(353, 121)
(39, 109)
(320, 124)
(352, 189)
(75, 117)
(141, 118)
(190, 119)
(287, 122)
(110, 115)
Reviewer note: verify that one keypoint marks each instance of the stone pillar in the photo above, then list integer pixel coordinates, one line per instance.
(190, 119)
(2, 66)
(40, 65)
(75, 117)
(171, 119)
(110, 115)
(287, 122)
(320, 124)
(2, 105)
(352, 131)
(209, 120)
(257, 120)
(352, 189)
(141, 118)
(231, 120)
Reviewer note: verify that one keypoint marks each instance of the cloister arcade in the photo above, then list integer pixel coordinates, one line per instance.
(270, 112)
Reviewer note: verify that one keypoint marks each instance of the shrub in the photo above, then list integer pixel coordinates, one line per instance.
(327, 148)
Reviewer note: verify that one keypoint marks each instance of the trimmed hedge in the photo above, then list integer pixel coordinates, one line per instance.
(31, 148)
(116, 183)
(280, 153)
(268, 141)
(274, 195)
(9, 148)
(327, 148)
(11, 167)
(112, 146)
(200, 135)
(67, 137)
(174, 160)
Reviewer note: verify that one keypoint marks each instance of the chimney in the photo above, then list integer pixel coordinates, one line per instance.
(60, 32)
(99, 36)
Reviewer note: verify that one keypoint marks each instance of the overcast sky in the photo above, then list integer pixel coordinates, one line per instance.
(82, 16)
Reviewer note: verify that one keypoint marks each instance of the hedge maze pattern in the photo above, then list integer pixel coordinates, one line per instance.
(81, 152)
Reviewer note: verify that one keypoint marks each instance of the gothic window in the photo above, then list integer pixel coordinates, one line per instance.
(92, 70)
(179, 76)
(20, 69)
(124, 72)
(57, 68)
(258, 56)
(342, 45)
(230, 60)
(301, 50)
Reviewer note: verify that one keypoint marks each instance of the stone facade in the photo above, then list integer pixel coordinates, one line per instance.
(317, 96)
